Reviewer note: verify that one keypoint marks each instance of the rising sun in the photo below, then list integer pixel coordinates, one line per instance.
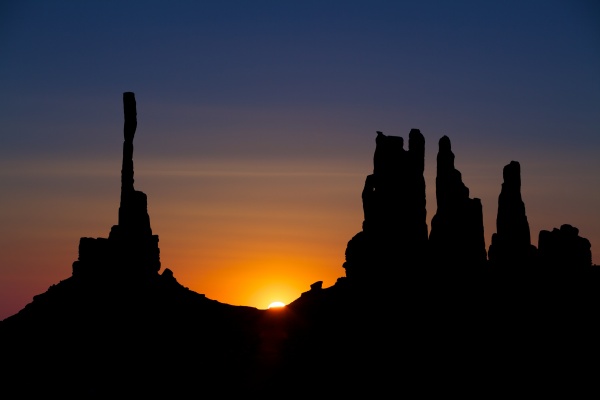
(276, 304)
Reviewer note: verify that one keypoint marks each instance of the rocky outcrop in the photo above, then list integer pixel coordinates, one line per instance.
(456, 239)
(367, 333)
(116, 310)
(564, 249)
(511, 244)
(394, 234)
(131, 247)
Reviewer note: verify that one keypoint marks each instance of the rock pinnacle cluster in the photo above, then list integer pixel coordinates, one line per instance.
(394, 240)
(418, 311)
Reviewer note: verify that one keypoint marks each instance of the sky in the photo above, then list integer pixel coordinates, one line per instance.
(257, 124)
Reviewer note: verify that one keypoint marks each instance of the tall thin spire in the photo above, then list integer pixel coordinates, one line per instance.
(133, 214)
(131, 247)
(130, 125)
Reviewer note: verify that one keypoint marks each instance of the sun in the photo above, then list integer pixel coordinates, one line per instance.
(276, 304)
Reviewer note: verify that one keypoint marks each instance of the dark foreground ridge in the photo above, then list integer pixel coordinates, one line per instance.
(416, 312)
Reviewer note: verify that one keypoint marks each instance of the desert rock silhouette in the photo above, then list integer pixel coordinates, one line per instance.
(416, 312)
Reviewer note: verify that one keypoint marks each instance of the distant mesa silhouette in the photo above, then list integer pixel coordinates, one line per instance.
(422, 311)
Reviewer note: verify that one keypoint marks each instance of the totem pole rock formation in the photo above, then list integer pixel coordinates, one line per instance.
(511, 244)
(131, 246)
(394, 231)
(457, 237)
(564, 249)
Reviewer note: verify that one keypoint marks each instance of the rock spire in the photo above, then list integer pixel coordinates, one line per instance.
(457, 236)
(511, 244)
(131, 246)
(394, 234)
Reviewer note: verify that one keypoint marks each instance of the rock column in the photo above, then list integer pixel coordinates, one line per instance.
(457, 238)
(394, 234)
(131, 247)
(511, 244)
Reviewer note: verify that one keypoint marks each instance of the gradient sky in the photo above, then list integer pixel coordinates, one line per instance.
(257, 120)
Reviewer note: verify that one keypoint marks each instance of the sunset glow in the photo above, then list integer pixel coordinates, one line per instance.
(256, 128)
(276, 304)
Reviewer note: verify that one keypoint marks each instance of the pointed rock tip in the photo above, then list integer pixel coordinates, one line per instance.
(444, 143)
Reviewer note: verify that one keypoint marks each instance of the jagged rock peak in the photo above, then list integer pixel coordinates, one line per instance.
(512, 219)
(449, 184)
(394, 231)
(416, 146)
(511, 244)
(456, 234)
(416, 140)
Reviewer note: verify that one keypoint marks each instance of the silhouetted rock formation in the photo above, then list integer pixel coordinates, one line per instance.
(564, 249)
(394, 234)
(117, 326)
(511, 244)
(131, 247)
(456, 237)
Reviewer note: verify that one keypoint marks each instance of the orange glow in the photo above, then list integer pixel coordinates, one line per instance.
(253, 237)
(242, 238)
(276, 304)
